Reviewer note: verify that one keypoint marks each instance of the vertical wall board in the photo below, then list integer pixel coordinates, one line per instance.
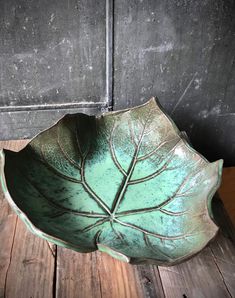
(52, 51)
(52, 61)
(183, 53)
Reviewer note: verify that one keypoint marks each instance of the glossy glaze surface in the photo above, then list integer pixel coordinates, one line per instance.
(126, 183)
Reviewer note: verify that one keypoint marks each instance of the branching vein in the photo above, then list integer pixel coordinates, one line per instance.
(62, 208)
(113, 216)
(153, 234)
(113, 154)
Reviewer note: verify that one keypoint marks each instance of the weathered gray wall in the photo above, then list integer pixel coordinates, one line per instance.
(181, 51)
(51, 53)
(54, 52)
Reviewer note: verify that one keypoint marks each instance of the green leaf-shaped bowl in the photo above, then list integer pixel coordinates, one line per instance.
(126, 183)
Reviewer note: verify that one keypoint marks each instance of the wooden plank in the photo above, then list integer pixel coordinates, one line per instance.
(198, 277)
(15, 145)
(31, 270)
(150, 281)
(99, 275)
(227, 191)
(223, 248)
(117, 279)
(93, 275)
(127, 280)
(155, 54)
(76, 275)
(7, 232)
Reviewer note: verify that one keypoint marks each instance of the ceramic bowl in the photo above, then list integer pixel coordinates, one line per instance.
(126, 183)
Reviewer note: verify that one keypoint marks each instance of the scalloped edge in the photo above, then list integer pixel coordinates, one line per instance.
(114, 253)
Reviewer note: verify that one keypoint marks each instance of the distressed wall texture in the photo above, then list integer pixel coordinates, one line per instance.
(52, 62)
(182, 52)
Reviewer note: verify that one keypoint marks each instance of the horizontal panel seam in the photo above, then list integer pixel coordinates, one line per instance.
(86, 105)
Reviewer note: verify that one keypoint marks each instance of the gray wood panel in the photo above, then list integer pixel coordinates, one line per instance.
(26, 124)
(52, 62)
(183, 53)
(52, 52)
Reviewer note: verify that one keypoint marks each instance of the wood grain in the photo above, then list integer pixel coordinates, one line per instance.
(223, 248)
(150, 281)
(99, 275)
(198, 277)
(15, 145)
(31, 270)
(206, 275)
(227, 191)
(76, 275)
(7, 232)
(118, 274)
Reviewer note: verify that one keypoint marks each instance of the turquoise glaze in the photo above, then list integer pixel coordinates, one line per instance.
(126, 183)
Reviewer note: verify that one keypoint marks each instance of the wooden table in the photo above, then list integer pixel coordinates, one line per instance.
(33, 268)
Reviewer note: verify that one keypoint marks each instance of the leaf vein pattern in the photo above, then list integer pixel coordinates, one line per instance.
(113, 215)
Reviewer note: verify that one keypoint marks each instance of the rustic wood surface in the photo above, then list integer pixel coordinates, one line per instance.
(32, 267)
(227, 191)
